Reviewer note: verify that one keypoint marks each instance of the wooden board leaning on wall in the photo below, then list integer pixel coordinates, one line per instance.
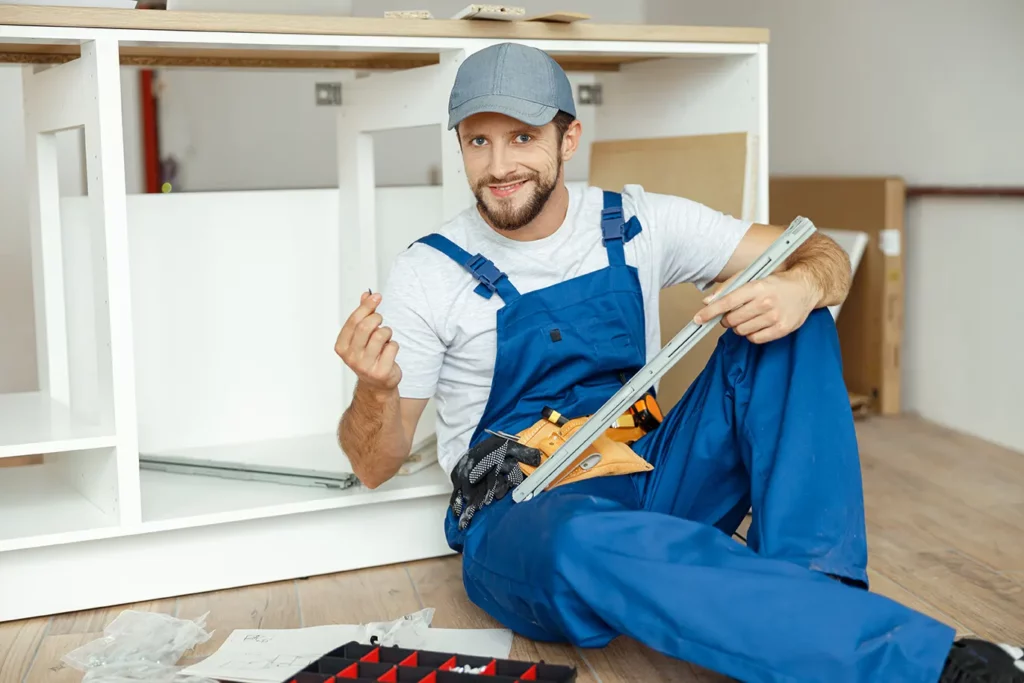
(871, 325)
(716, 170)
(719, 171)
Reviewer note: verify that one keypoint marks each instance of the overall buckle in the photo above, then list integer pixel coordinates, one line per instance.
(611, 223)
(485, 271)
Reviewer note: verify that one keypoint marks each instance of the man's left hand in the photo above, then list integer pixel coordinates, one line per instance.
(766, 309)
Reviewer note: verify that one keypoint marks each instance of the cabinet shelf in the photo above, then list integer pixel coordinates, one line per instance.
(39, 506)
(32, 423)
(177, 501)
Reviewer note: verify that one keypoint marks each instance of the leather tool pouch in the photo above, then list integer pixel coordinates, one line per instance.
(609, 455)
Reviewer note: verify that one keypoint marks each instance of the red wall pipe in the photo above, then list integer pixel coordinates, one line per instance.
(150, 136)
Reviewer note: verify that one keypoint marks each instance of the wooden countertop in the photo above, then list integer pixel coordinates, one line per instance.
(163, 20)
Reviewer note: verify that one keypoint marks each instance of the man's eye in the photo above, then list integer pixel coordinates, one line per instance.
(477, 141)
(523, 138)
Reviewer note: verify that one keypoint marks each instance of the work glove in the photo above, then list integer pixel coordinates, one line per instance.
(486, 473)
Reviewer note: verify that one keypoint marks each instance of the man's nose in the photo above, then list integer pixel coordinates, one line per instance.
(502, 163)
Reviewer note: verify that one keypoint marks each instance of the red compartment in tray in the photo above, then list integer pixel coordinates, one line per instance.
(363, 663)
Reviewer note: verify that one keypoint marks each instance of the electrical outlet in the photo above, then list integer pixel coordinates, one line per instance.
(328, 94)
(589, 93)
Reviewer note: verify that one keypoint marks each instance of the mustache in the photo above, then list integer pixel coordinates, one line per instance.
(491, 180)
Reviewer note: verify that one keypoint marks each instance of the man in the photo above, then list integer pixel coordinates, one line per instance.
(556, 309)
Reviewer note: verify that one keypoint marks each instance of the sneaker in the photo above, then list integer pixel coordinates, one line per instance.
(972, 660)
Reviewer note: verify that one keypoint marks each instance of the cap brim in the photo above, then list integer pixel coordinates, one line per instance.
(530, 113)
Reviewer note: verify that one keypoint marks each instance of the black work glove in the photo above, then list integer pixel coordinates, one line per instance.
(486, 473)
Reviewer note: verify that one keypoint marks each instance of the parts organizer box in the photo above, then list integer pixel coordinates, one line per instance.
(364, 663)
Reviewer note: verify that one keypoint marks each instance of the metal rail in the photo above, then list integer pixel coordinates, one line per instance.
(551, 469)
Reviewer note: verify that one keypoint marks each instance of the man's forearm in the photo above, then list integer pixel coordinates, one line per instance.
(372, 435)
(825, 267)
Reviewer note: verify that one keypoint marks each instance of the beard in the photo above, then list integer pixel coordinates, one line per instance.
(504, 214)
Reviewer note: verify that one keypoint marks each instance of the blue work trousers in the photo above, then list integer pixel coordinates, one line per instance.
(650, 555)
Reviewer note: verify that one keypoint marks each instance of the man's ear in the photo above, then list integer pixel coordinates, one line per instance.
(571, 140)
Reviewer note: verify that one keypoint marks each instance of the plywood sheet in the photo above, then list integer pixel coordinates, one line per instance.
(871, 326)
(716, 170)
(21, 461)
(561, 17)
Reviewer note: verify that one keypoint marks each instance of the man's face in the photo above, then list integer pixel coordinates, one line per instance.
(512, 167)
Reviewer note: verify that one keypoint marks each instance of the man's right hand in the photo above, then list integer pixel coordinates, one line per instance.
(367, 348)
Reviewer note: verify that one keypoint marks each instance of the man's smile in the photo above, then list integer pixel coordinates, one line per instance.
(506, 190)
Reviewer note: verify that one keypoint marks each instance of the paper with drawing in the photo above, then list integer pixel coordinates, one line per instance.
(271, 655)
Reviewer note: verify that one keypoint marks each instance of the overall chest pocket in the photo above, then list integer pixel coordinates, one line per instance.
(608, 338)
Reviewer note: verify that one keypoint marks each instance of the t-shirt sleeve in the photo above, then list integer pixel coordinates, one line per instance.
(692, 241)
(406, 309)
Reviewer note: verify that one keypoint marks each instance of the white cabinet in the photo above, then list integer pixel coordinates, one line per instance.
(204, 323)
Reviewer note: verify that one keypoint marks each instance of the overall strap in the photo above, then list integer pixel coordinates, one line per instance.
(615, 231)
(491, 279)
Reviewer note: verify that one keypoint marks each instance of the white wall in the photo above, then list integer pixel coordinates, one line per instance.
(930, 90)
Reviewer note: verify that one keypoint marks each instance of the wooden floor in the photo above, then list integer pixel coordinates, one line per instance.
(946, 522)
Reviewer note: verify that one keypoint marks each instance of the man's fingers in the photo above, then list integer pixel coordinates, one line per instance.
(361, 336)
(726, 303)
(756, 324)
(767, 334)
(386, 361)
(367, 305)
(719, 289)
(747, 312)
(375, 344)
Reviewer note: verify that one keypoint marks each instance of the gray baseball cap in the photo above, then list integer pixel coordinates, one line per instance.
(512, 79)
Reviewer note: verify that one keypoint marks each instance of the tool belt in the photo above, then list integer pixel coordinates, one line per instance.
(610, 454)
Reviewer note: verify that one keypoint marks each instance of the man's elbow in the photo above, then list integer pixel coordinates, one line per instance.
(370, 478)
(367, 468)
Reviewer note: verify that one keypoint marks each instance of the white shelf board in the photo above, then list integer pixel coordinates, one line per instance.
(313, 452)
(176, 501)
(33, 423)
(37, 508)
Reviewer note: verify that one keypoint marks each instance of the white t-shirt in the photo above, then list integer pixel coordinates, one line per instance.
(446, 332)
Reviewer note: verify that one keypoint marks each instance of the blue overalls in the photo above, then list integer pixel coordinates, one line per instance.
(650, 555)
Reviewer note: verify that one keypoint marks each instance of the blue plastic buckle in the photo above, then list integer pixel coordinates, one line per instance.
(485, 271)
(611, 223)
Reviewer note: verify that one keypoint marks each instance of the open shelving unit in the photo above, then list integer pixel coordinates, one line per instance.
(204, 323)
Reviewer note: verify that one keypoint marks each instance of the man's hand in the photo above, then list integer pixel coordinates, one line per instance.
(366, 347)
(764, 310)
(486, 473)
(814, 276)
(377, 428)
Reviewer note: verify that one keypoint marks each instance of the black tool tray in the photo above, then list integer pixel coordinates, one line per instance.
(365, 663)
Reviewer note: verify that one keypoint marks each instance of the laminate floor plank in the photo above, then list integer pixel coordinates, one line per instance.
(19, 642)
(48, 667)
(883, 585)
(94, 621)
(982, 600)
(357, 597)
(273, 605)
